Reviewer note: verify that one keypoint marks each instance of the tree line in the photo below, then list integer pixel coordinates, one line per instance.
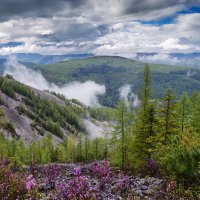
(159, 137)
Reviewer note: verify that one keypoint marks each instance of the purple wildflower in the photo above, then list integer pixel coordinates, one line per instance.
(30, 182)
(77, 171)
(51, 172)
(124, 182)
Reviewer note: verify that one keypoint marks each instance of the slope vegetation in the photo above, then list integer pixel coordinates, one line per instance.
(114, 72)
(30, 114)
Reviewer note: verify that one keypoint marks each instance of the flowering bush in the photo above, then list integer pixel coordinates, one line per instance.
(11, 183)
(31, 186)
(124, 182)
(30, 183)
(51, 172)
(77, 188)
(103, 170)
(77, 171)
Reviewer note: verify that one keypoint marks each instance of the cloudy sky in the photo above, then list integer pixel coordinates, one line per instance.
(100, 27)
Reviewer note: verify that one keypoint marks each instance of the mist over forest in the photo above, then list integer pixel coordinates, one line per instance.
(99, 99)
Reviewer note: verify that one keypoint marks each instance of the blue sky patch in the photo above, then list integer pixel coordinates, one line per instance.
(170, 19)
(11, 44)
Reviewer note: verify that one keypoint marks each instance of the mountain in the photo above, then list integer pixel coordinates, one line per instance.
(45, 59)
(29, 114)
(25, 63)
(115, 72)
(181, 59)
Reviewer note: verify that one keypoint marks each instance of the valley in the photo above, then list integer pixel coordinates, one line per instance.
(115, 72)
(33, 113)
(138, 135)
(99, 100)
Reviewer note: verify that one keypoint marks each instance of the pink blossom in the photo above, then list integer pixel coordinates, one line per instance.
(30, 182)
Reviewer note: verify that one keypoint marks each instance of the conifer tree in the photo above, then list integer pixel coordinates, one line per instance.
(120, 133)
(195, 116)
(80, 147)
(145, 122)
(168, 118)
(184, 111)
(86, 148)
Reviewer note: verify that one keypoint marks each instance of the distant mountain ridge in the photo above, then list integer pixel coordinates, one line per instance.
(115, 71)
(182, 59)
(45, 59)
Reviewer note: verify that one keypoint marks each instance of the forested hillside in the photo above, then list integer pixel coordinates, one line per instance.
(29, 114)
(158, 138)
(99, 100)
(115, 72)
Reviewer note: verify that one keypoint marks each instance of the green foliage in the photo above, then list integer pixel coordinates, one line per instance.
(12, 183)
(195, 111)
(180, 160)
(7, 125)
(43, 151)
(184, 112)
(116, 71)
(120, 135)
(101, 114)
(53, 128)
(45, 113)
(164, 130)
(7, 88)
(10, 127)
(168, 124)
(145, 126)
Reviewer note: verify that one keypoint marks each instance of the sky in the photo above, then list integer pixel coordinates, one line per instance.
(100, 27)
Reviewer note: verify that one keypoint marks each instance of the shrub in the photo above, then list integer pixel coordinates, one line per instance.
(124, 182)
(77, 188)
(103, 170)
(11, 184)
(51, 172)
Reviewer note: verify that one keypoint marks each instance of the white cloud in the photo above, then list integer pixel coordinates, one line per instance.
(126, 94)
(133, 37)
(86, 92)
(49, 32)
(123, 36)
(169, 59)
(173, 43)
(94, 130)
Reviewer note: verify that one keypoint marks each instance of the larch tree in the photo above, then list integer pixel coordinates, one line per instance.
(184, 111)
(168, 117)
(144, 126)
(119, 135)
